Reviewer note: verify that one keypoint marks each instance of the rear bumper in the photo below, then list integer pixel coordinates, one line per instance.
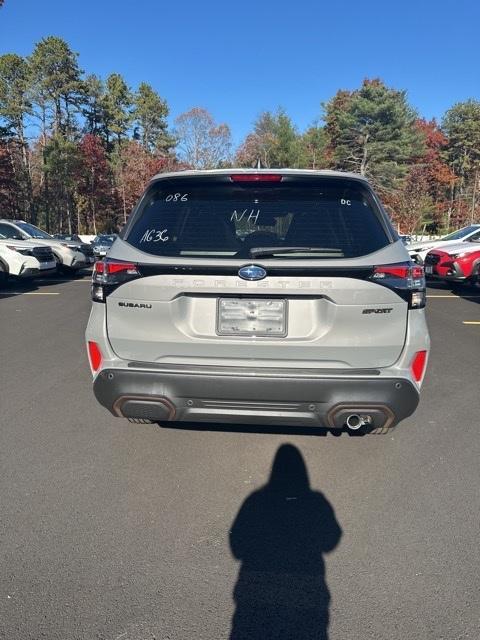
(454, 274)
(269, 397)
(448, 270)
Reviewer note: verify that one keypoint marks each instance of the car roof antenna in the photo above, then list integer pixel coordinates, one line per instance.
(258, 164)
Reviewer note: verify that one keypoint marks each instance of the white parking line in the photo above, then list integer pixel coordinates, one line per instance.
(466, 296)
(60, 281)
(28, 293)
(471, 322)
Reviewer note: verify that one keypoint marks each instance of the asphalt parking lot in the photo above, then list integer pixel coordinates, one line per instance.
(114, 531)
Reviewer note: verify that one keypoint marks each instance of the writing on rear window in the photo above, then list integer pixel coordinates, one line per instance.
(249, 215)
(152, 235)
(177, 197)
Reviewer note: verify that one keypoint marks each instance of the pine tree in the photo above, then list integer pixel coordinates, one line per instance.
(93, 109)
(461, 124)
(372, 131)
(117, 104)
(61, 168)
(150, 116)
(55, 83)
(14, 108)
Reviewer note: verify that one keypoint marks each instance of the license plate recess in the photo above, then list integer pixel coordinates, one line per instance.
(260, 317)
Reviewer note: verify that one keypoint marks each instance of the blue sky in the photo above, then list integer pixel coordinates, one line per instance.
(240, 58)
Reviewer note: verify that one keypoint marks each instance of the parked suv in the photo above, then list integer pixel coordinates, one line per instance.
(69, 255)
(19, 259)
(267, 297)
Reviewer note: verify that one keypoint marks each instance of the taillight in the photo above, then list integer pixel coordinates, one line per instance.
(418, 365)
(390, 271)
(406, 279)
(108, 274)
(256, 177)
(94, 355)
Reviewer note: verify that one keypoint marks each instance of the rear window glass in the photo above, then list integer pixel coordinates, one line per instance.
(194, 218)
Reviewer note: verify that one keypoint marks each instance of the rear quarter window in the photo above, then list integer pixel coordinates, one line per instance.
(195, 218)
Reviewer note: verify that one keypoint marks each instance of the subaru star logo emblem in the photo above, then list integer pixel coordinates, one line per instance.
(252, 272)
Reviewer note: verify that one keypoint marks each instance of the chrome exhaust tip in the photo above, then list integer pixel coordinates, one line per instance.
(356, 421)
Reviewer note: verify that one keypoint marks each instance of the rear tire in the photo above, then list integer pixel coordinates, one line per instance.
(3, 276)
(474, 282)
(65, 271)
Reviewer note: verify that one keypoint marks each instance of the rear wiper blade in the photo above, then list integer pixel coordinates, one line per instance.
(257, 252)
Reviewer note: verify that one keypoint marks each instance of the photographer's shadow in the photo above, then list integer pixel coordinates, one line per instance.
(280, 535)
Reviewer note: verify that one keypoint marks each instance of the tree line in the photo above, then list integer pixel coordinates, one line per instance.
(76, 150)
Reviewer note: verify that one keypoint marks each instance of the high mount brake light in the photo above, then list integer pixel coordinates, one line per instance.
(256, 177)
(109, 274)
(406, 279)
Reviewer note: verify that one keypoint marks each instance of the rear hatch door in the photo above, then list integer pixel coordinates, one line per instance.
(316, 303)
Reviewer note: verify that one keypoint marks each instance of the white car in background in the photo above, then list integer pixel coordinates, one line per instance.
(418, 250)
(87, 238)
(69, 255)
(21, 259)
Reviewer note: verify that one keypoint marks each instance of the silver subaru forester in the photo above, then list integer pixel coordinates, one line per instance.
(274, 297)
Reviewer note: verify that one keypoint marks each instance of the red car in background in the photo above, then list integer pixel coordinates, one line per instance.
(459, 264)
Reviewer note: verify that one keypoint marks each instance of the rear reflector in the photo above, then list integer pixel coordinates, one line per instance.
(418, 365)
(95, 355)
(256, 177)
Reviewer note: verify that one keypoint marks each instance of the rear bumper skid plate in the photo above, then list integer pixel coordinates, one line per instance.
(265, 398)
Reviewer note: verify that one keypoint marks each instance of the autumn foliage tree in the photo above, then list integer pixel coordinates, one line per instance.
(133, 169)
(423, 198)
(274, 142)
(94, 184)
